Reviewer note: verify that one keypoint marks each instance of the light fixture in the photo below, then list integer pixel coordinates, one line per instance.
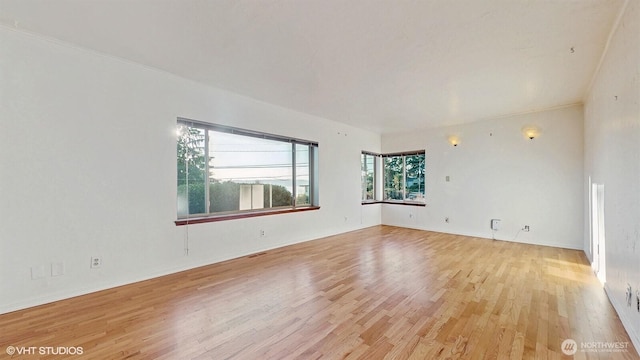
(454, 140)
(531, 131)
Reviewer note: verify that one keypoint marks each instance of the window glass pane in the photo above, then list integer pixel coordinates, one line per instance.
(393, 178)
(302, 175)
(224, 170)
(191, 170)
(414, 184)
(248, 173)
(368, 176)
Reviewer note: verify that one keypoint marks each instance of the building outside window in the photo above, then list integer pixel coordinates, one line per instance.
(224, 170)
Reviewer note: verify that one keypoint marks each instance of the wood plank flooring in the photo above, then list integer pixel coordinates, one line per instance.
(378, 293)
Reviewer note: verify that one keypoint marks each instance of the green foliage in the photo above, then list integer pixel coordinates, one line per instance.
(191, 167)
(196, 197)
(280, 196)
(393, 178)
(415, 166)
(395, 172)
(367, 177)
(302, 199)
(224, 196)
(190, 155)
(415, 173)
(369, 186)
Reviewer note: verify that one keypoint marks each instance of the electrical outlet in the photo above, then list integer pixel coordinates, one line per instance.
(629, 295)
(96, 262)
(446, 220)
(525, 228)
(638, 300)
(263, 233)
(495, 224)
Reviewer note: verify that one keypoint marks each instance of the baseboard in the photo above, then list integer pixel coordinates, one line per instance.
(63, 295)
(154, 273)
(484, 236)
(626, 321)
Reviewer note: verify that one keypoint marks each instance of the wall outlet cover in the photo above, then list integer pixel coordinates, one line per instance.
(495, 224)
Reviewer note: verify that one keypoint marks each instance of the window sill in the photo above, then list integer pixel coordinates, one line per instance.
(407, 203)
(225, 217)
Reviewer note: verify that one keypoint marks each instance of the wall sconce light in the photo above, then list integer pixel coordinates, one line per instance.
(454, 140)
(531, 131)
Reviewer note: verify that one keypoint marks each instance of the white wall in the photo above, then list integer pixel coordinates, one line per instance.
(612, 158)
(496, 172)
(87, 161)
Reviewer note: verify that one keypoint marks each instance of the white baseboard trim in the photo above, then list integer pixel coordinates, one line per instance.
(66, 294)
(498, 238)
(626, 321)
(157, 272)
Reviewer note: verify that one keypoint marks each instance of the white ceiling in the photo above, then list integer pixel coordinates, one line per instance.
(383, 65)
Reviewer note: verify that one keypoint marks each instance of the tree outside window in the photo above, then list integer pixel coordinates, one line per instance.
(404, 177)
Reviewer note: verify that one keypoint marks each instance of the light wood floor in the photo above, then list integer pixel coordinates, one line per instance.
(381, 292)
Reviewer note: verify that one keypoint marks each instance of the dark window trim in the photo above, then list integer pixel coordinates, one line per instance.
(313, 180)
(398, 202)
(403, 155)
(406, 153)
(244, 132)
(370, 153)
(406, 203)
(244, 215)
(375, 174)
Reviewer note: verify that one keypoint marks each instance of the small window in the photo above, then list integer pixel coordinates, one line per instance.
(394, 178)
(368, 177)
(404, 177)
(414, 177)
(224, 170)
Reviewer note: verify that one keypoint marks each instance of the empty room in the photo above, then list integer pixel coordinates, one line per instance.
(319, 179)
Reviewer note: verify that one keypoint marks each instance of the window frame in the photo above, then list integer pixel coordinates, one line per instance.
(421, 179)
(376, 158)
(404, 155)
(379, 178)
(238, 214)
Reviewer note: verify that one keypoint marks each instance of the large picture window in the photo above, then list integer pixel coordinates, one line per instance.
(404, 177)
(224, 170)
